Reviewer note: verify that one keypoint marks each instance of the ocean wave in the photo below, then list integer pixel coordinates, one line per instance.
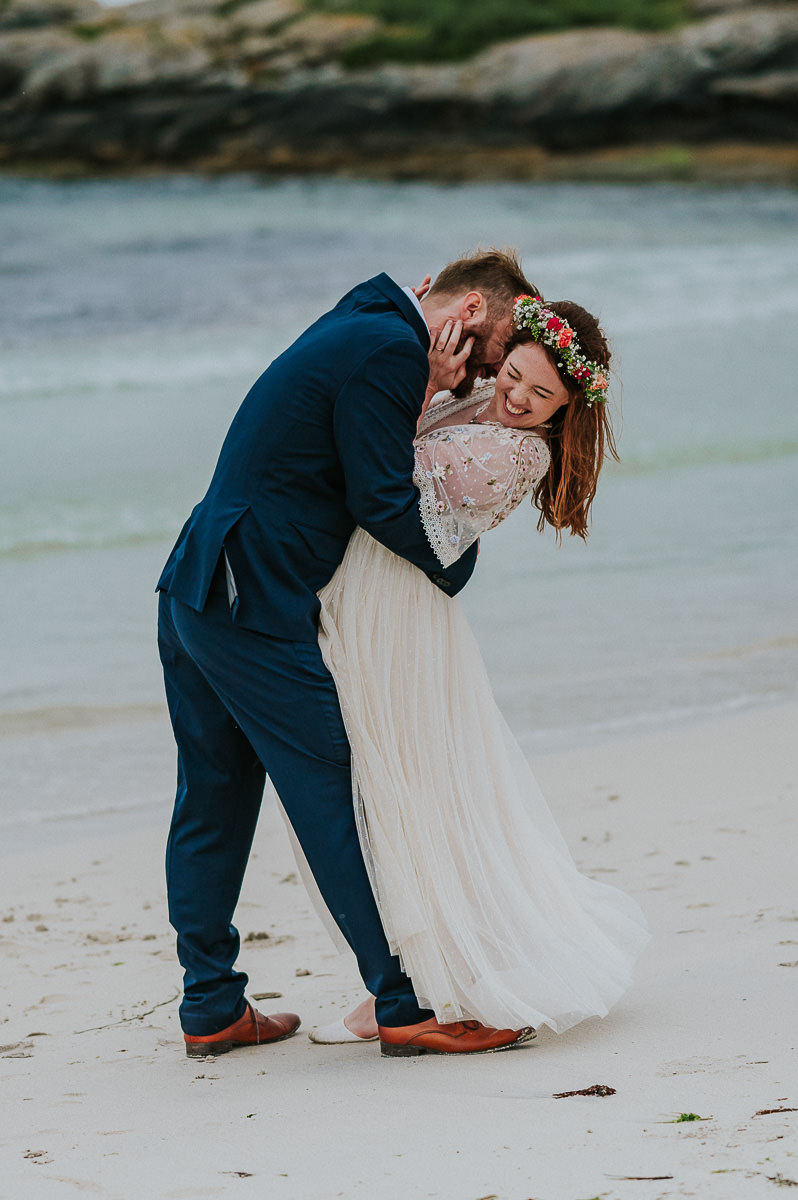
(96, 529)
(672, 458)
(101, 525)
(124, 368)
(653, 721)
(26, 548)
(52, 816)
(56, 718)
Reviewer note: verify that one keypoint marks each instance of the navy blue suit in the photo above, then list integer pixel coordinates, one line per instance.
(323, 442)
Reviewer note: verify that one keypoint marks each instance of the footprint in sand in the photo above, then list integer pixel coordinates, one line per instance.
(37, 1156)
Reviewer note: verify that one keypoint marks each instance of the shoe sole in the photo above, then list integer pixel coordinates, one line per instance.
(212, 1049)
(389, 1051)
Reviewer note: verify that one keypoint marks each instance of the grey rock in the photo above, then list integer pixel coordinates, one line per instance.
(39, 14)
(317, 38)
(607, 69)
(173, 81)
(24, 51)
(164, 10)
(201, 29)
(560, 69)
(123, 60)
(711, 8)
(294, 45)
(263, 16)
(746, 41)
(774, 87)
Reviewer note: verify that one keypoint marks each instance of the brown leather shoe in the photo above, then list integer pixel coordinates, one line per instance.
(460, 1037)
(252, 1029)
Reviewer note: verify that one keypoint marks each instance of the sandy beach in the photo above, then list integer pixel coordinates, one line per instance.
(697, 822)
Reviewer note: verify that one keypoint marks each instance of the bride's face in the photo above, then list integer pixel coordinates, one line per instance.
(528, 389)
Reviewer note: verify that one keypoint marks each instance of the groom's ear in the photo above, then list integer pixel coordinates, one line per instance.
(473, 305)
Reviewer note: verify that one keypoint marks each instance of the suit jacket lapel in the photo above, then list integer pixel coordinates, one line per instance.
(383, 283)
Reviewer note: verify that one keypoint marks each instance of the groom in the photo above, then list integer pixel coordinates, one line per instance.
(323, 442)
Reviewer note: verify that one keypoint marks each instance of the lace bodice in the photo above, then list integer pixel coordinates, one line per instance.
(471, 476)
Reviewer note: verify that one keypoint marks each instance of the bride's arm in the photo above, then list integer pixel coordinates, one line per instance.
(470, 477)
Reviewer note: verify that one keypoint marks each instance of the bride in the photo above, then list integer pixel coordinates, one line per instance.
(477, 891)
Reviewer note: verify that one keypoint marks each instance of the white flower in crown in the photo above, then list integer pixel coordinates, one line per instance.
(530, 312)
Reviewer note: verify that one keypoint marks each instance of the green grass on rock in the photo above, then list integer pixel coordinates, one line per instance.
(446, 30)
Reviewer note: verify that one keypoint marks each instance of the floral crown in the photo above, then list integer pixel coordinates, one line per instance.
(530, 312)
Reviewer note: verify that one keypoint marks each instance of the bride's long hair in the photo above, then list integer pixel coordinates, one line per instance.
(579, 435)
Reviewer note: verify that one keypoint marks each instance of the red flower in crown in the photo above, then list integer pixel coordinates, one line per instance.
(532, 313)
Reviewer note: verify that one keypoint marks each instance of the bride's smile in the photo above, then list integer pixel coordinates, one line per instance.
(529, 389)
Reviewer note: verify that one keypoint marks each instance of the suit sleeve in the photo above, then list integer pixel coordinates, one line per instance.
(375, 419)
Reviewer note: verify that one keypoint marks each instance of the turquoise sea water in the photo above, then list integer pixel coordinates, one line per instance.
(135, 315)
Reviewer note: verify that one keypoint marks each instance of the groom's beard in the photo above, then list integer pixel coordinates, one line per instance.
(475, 364)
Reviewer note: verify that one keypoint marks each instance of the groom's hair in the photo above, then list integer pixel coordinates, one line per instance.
(495, 273)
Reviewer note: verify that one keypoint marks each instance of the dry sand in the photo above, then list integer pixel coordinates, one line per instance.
(100, 1100)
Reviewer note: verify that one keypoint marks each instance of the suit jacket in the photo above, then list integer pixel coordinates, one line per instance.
(322, 442)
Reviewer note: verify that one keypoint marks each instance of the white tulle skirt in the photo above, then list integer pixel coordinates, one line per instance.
(477, 891)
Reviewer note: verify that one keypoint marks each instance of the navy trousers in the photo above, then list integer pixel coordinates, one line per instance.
(242, 705)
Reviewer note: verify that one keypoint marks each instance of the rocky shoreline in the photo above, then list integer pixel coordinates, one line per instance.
(260, 86)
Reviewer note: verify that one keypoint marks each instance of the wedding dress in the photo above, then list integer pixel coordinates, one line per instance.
(476, 888)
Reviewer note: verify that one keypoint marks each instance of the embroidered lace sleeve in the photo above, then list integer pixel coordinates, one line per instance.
(470, 477)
